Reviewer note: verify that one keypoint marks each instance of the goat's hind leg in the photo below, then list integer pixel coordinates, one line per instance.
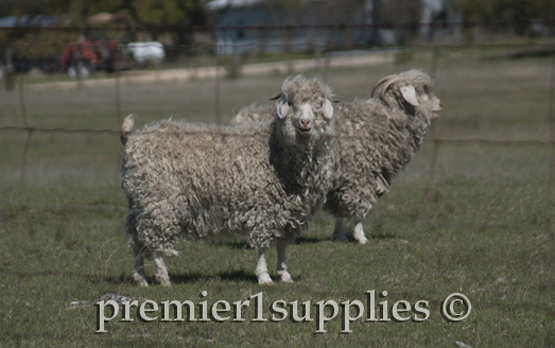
(161, 270)
(139, 251)
(262, 267)
(281, 245)
(139, 273)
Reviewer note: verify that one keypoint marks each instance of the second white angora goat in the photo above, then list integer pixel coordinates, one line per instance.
(378, 138)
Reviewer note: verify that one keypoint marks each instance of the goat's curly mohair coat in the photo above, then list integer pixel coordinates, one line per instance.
(378, 138)
(264, 179)
(374, 146)
(375, 139)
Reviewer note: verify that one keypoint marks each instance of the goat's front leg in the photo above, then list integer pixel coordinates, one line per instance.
(161, 270)
(359, 232)
(261, 270)
(281, 245)
(339, 231)
(139, 273)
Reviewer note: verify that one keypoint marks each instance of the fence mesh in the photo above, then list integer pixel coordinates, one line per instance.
(216, 78)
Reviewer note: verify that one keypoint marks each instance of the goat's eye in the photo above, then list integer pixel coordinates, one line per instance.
(320, 103)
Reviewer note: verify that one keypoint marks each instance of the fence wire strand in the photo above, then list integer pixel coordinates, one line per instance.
(286, 28)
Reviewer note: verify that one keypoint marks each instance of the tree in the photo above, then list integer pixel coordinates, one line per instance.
(178, 16)
(519, 12)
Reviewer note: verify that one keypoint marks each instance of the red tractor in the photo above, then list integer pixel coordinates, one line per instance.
(86, 56)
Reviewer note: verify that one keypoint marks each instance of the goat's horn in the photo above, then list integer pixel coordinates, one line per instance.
(276, 97)
(380, 82)
(387, 84)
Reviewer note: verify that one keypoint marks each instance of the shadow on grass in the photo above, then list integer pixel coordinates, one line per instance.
(127, 279)
(309, 240)
(180, 278)
(236, 244)
(50, 273)
(246, 244)
(383, 236)
(234, 276)
(122, 279)
(304, 240)
(240, 276)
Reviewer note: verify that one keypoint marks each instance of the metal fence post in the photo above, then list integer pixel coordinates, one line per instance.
(437, 142)
(29, 132)
(218, 65)
(551, 174)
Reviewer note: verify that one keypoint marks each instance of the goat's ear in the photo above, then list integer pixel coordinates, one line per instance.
(409, 93)
(327, 109)
(282, 108)
(276, 97)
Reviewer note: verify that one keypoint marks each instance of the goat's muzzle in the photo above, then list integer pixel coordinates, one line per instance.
(305, 132)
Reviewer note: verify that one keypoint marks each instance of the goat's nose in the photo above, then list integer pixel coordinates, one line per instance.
(305, 123)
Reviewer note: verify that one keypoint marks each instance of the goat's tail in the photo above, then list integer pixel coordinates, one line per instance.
(126, 127)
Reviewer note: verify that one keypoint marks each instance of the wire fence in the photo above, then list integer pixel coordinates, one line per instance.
(216, 72)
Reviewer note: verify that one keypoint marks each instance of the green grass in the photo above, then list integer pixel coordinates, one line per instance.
(483, 232)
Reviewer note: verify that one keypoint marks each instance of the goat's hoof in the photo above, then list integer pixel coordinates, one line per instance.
(270, 282)
(141, 281)
(163, 281)
(285, 277)
(264, 279)
(340, 238)
(362, 241)
(143, 284)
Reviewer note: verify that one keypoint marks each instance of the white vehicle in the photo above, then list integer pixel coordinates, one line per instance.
(145, 53)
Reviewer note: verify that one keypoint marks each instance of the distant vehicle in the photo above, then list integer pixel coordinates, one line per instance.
(145, 53)
(86, 56)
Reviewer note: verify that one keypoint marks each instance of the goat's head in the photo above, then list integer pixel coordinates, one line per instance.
(411, 89)
(304, 108)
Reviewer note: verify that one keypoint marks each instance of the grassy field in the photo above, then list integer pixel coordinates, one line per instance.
(484, 231)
